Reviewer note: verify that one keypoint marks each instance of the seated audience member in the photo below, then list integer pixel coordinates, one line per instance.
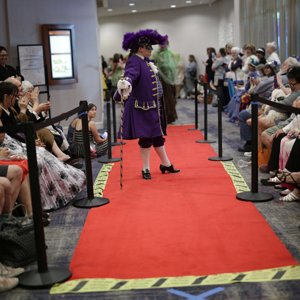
(8, 274)
(6, 70)
(40, 110)
(17, 110)
(16, 182)
(261, 54)
(264, 89)
(98, 144)
(272, 55)
(59, 182)
(248, 50)
(242, 98)
(294, 82)
(235, 65)
(283, 143)
(269, 115)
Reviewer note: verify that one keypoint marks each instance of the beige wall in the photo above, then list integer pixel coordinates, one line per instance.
(24, 20)
(191, 30)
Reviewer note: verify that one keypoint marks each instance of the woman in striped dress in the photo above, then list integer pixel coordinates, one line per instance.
(98, 143)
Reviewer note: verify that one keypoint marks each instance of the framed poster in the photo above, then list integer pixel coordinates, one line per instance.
(31, 63)
(60, 53)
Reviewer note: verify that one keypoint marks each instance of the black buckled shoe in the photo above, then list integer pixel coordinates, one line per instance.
(146, 174)
(169, 169)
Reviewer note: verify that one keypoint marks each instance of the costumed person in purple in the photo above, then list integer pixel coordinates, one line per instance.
(144, 114)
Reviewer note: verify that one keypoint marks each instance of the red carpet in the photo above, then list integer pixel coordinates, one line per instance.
(175, 224)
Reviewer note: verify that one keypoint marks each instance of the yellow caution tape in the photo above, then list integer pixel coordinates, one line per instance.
(101, 180)
(90, 285)
(236, 177)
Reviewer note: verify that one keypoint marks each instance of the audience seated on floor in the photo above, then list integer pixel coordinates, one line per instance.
(98, 143)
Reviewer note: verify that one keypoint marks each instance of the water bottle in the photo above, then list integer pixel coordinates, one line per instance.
(243, 163)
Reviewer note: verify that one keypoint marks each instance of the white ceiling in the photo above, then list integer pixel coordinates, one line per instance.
(119, 7)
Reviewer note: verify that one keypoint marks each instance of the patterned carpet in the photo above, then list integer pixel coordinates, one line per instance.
(64, 231)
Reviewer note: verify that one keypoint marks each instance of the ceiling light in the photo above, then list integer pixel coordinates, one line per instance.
(109, 9)
(131, 4)
(134, 11)
(173, 6)
(189, 1)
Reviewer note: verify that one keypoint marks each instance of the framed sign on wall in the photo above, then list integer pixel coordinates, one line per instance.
(59, 43)
(31, 63)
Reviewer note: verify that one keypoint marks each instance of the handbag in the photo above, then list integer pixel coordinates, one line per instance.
(17, 246)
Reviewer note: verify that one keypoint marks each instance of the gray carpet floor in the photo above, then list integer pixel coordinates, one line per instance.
(64, 231)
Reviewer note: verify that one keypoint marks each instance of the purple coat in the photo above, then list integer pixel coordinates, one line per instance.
(144, 115)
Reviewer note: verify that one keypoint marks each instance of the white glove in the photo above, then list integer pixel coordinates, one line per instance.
(124, 88)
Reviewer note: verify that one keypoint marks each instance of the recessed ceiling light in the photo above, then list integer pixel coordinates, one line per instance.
(134, 11)
(173, 6)
(131, 4)
(109, 9)
(189, 1)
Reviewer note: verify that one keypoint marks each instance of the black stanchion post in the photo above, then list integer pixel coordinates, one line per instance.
(115, 141)
(196, 106)
(90, 201)
(108, 158)
(42, 277)
(254, 195)
(220, 156)
(205, 118)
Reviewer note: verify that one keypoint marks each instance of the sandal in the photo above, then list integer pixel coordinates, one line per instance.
(285, 192)
(292, 196)
(270, 181)
(284, 178)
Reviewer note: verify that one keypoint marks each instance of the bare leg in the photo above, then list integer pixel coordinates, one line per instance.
(25, 196)
(145, 153)
(14, 174)
(58, 153)
(7, 202)
(266, 140)
(162, 154)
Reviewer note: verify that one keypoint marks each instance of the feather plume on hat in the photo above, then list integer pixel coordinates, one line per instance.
(132, 40)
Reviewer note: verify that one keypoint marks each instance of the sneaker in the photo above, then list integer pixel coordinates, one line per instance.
(285, 192)
(8, 283)
(8, 272)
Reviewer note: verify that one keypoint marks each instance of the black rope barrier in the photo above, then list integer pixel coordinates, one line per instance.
(196, 106)
(44, 276)
(220, 156)
(108, 158)
(254, 195)
(205, 118)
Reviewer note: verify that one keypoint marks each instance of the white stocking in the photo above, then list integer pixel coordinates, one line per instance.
(161, 152)
(145, 153)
